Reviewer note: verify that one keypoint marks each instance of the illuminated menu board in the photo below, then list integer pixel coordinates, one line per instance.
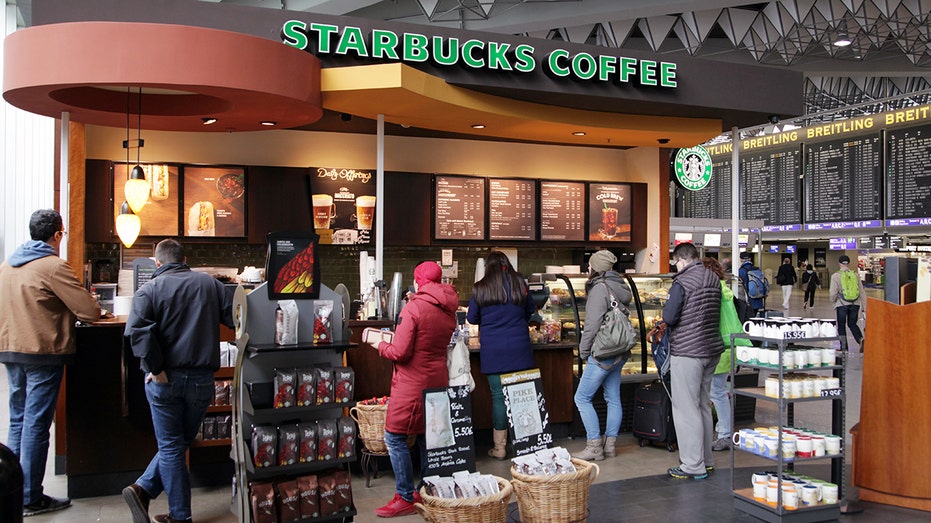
(908, 174)
(609, 212)
(460, 208)
(214, 201)
(843, 181)
(769, 185)
(562, 211)
(714, 201)
(512, 209)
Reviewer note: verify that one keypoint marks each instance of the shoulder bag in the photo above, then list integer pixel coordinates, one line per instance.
(616, 334)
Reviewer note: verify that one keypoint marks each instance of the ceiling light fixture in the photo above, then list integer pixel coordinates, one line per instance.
(578, 133)
(842, 41)
(136, 188)
(128, 225)
(208, 121)
(268, 123)
(478, 126)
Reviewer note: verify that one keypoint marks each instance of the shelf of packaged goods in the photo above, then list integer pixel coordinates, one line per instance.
(294, 470)
(271, 415)
(744, 501)
(759, 393)
(212, 442)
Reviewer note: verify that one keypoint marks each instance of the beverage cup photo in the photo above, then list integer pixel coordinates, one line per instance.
(829, 493)
(609, 221)
(365, 212)
(324, 210)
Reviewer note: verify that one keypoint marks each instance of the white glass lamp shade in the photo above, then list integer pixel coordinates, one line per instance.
(136, 189)
(128, 225)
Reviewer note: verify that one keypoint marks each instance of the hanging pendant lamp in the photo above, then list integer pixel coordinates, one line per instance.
(128, 225)
(136, 189)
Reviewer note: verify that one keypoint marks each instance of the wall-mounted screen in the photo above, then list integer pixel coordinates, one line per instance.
(562, 211)
(843, 180)
(214, 201)
(459, 207)
(774, 249)
(791, 249)
(908, 173)
(842, 244)
(683, 237)
(609, 212)
(769, 185)
(714, 201)
(343, 205)
(712, 239)
(512, 209)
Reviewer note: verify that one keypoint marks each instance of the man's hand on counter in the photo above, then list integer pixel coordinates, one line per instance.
(161, 377)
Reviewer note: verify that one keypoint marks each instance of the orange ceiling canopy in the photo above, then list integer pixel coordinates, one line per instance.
(187, 74)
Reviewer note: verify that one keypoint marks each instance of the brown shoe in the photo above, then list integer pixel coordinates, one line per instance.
(138, 500)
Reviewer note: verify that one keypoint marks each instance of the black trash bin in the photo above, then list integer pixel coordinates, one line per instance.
(11, 487)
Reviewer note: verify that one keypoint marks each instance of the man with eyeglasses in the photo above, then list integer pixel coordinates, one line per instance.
(41, 298)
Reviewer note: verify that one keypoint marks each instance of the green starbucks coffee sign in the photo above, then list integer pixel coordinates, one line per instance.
(693, 168)
(475, 53)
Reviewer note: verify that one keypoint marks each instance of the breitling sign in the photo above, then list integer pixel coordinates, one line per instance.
(474, 53)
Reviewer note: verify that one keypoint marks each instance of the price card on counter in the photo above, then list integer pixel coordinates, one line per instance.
(527, 416)
(449, 439)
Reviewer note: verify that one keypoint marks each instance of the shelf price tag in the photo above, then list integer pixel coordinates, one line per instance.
(832, 393)
(793, 335)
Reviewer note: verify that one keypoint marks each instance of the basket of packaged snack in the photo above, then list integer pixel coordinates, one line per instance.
(465, 498)
(552, 487)
(370, 416)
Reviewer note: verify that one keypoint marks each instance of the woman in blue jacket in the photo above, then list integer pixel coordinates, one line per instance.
(501, 306)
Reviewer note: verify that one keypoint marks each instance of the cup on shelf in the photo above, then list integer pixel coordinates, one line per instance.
(760, 477)
(818, 445)
(814, 357)
(772, 493)
(804, 447)
(788, 449)
(744, 438)
(828, 356)
(754, 327)
(829, 493)
(790, 498)
(759, 491)
(828, 328)
(810, 494)
(832, 444)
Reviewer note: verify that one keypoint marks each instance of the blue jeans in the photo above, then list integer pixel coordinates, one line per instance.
(499, 412)
(33, 395)
(722, 405)
(847, 316)
(178, 409)
(402, 465)
(609, 379)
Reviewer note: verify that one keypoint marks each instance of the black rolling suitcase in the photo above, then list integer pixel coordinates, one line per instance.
(653, 415)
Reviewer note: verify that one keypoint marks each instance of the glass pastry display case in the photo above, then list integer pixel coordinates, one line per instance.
(565, 308)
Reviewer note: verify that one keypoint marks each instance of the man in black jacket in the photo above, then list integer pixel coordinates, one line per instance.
(174, 329)
(786, 278)
(692, 314)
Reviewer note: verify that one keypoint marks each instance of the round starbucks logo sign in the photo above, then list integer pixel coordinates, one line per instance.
(693, 168)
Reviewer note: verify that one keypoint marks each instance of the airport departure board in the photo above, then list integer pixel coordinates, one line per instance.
(714, 201)
(908, 173)
(769, 185)
(843, 179)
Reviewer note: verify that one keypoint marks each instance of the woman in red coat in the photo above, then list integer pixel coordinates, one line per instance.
(418, 351)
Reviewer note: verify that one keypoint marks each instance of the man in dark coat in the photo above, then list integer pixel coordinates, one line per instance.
(786, 278)
(692, 314)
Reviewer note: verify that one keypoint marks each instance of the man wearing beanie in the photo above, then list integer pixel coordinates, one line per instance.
(418, 352)
(848, 304)
(603, 287)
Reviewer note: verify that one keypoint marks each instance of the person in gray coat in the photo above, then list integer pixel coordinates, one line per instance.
(692, 315)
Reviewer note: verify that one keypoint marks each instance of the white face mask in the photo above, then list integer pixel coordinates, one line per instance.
(809, 271)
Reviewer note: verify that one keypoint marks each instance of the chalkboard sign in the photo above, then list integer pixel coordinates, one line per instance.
(843, 180)
(449, 439)
(459, 208)
(562, 211)
(527, 416)
(143, 268)
(512, 209)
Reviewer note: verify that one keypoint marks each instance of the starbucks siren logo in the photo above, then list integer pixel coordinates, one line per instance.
(693, 168)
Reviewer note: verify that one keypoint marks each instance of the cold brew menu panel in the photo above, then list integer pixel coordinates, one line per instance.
(609, 212)
(460, 208)
(512, 209)
(562, 211)
(908, 173)
(843, 179)
(714, 201)
(769, 185)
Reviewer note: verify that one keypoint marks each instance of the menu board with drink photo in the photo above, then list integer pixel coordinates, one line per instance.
(609, 212)
(159, 215)
(343, 205)
(214, 201)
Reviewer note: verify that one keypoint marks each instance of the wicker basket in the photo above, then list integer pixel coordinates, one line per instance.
(562, 498)
(371, 421)
(485, 509)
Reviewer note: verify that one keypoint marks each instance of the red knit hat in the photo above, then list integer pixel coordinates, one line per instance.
(427, 272)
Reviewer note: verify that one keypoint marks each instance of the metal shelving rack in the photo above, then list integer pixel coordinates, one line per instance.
(743, 498)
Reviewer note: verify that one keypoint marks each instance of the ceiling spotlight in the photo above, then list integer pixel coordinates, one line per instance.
(345, 117)
(662, 141)
(842, 41)
(774, 119)
(208, 121)
(578, 133)
(268, 123)
(478, 126)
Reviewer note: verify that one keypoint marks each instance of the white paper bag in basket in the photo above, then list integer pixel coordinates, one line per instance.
(457, 362)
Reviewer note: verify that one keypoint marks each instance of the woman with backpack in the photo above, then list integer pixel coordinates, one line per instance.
(603, 283)
(810, 282)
